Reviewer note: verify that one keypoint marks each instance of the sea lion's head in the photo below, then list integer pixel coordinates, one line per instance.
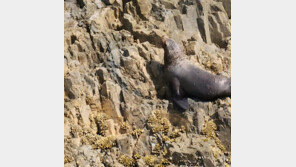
(172, 51)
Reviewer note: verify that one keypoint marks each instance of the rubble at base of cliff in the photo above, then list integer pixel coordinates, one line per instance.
(117, 107)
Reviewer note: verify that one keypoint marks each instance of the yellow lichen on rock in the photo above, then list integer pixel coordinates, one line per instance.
(106, 142)
(165, 138)
(101, 123)
(91, 139)
(157, 149)
(164, 161)
(209, 131)
(175, 133)
(127, 161)
(137, 156)
(137, 132)
(149, 160)
(157, 123)
(124, 126)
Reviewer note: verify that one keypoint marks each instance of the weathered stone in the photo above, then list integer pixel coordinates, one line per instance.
(154, 36)
(117, 101)
(182, 154)
(103, 74)
(227, 6)
(129, 22)
(130, 67)
(189, 23)
(156, 68)
(141, 163)
(66, 127)
(125, 144)
(191, 48)
(69, 88)
(108, 2)
(88, 157)
(115, 54)
(111, 101)
(173, 4)
(99, 3)
(113, 128)
(208, 163)
(199, 120)
(144, 7)
(85, 112)
(142, 146)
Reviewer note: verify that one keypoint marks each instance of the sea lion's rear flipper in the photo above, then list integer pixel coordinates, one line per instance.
(178, 94)
(182, 103)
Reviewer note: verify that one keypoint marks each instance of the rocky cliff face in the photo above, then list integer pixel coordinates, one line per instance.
(117, 110)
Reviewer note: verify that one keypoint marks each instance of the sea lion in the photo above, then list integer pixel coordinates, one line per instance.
(187, 80)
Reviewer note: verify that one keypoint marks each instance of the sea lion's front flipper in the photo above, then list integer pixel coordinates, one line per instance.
(178, 94)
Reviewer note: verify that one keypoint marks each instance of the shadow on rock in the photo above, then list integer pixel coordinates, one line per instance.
(155, 70)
